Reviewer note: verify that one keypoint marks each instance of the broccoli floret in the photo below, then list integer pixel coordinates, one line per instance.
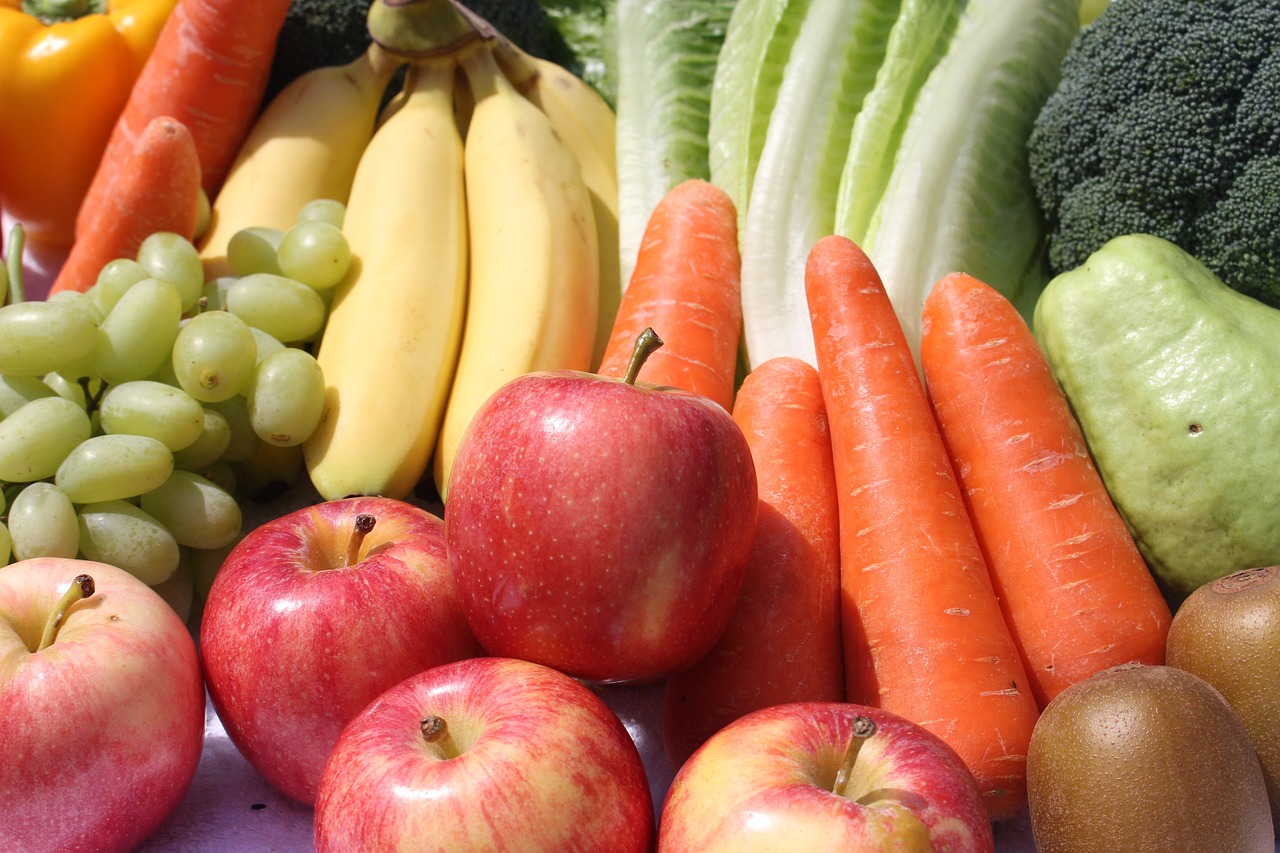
(1166, 121)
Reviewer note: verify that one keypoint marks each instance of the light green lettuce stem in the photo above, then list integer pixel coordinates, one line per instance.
(664, 54)
(757, 45)
(918, 41)
(832, 66)
(959, 198)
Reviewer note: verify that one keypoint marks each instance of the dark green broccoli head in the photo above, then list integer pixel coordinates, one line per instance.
(1167, 121)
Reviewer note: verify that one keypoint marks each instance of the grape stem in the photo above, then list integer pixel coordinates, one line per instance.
(13, 261)
(81, 588)
(92, 399)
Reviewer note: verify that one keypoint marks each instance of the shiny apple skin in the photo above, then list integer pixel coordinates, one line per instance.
(600, 528)
(102, 731)
(763, 783)
(295, 645)
(543, 765)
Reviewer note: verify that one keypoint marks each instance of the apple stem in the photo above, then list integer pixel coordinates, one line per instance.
(364, 523)
(436, 731)
(863, 728)
(646, 342)
(82, 587)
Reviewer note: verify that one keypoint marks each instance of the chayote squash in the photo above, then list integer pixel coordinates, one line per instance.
(1175, 379)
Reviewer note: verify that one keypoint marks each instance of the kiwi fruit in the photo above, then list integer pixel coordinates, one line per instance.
(1145, 759)
(1228, 633)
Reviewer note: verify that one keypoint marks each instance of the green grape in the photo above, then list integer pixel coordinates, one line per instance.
(69, 387)
(286, 397)
(113, 280)
(198, 513)
(81, 301)
(179, 590)
(205, 563)
(215, 435)
(222, 475)
(42, 523)
(145, 407)
(215, 292)
(17, 391)
(36, 438)
(121, 534)
(266, 343)
(251, 250)
(287, 310)
(314, 253)
(5, 545)
(111, 467)
(327, 210)
(243, 442)
(214, 356)
(174, 259)
(37, 337)
(139, 332)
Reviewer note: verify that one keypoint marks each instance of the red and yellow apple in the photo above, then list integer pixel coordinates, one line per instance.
(102, 707)
(485, 754)
(314, 614)
(824, 776)
(600, 526)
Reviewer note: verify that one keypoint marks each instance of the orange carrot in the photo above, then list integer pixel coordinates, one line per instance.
(924, 635)
(209, 69)
(157, 189)
(782, 643)
(1075, 590)
(686, 286)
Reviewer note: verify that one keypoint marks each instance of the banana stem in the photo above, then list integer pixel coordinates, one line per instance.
(81, 588)
(421, 29)
(646, 342)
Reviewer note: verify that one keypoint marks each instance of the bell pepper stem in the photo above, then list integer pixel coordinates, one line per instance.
(53, 11)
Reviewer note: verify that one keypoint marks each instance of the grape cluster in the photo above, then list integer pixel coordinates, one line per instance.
(135, 414)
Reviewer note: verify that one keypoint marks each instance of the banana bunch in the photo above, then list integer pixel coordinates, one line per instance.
(481, 214)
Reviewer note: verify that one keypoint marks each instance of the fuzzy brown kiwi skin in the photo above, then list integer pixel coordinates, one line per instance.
(1145, 759)
(1228, 633)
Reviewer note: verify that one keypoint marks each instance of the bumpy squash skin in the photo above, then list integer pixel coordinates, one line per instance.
(1145, 759)
(1175, 379)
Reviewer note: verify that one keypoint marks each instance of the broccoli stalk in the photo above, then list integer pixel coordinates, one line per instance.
(1167, 122)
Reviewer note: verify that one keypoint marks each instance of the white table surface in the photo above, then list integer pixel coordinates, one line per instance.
(230, 808)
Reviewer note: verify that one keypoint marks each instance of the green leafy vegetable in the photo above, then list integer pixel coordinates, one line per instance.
(664, 58)
(901, 124)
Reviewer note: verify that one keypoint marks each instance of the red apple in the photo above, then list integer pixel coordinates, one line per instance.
(101, 707)
(600, 526)
(485, 754)
(315, 613)
(824, 776)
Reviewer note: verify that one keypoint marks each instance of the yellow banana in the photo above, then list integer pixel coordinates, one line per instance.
(393, 335)
(586, 123)
(304, 146)
(534, 281)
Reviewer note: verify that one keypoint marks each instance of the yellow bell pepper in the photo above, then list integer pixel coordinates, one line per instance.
(63, 83)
